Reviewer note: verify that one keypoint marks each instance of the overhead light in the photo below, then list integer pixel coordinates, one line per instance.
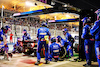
(3, 6)
(28, 3)
(52, 3)
(68, 16)
(65, 5)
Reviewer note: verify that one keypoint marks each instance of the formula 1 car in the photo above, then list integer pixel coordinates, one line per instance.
(30, 46)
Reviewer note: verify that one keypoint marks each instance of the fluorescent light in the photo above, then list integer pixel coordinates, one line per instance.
(29, 3)
(3, 6)
(68, 16)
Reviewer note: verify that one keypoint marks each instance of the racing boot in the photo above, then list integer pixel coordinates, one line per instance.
(86, 65)
(47, 62)
(38, 62)
(55, 60)
(5, 57)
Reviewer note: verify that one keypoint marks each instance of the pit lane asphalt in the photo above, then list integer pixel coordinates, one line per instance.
(21, 60)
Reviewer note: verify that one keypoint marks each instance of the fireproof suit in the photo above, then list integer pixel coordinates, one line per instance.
(5, 47)
(54, 50)
(95, 31)
(27, 36)
(1, 39)
(88, 43)
(42, 32)
(68, 49)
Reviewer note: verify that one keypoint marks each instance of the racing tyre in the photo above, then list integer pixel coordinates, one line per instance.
(63, 52)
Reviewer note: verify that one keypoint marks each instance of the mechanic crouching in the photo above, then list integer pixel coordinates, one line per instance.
(54, 50)
(67, 42)
(26, 36)
(63, 52)
(17, 46)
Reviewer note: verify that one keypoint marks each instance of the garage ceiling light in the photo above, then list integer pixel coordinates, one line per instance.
(29, 3)
(68, 16)
(3, 6)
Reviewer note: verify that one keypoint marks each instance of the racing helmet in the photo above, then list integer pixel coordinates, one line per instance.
(44, 24)
(18, 39)
(65, 31)
(98, 14)
(53, 39)
(86, 20)
(5, 29)
(24, 31)
(59, 38)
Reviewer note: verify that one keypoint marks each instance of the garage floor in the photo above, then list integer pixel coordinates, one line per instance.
(20, 60)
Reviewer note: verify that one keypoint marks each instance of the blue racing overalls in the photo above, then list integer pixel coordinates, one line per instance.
(95, 31)
(1, 40)
(88, 43)
(2, 46)
(16, 45)
(26, 37)
(54, 50)
(68, 49)
(42, 32)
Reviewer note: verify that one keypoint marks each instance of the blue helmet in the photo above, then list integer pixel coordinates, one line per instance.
(53, 39)
(86, 20)
(18, 39)
(98, 12)
(7, 27)
(24, 31)
(65, 30)
(59, 38)
(44, 24)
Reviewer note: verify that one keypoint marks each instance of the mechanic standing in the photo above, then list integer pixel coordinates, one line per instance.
(88, 41)
(68, 43)
(3, 40)
(43, 36)
(95, 31)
